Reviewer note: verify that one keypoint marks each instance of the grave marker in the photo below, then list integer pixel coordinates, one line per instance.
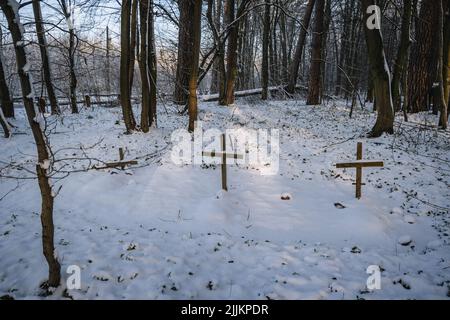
(359, 164)
(224, 155)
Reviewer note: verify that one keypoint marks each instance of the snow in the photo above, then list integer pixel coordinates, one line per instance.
(405, 240)
(45, 165)
(166, 231)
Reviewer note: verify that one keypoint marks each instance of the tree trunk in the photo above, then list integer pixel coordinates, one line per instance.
(295, 66)
(423, 58)
(315, 82)
(185, 51)
(35, 118)
(5, 125)
(125, 94)
(40, 31)
(108, 61)
(152, 65)
(441, 66)
(143, 66)
(402, 54)
(215, 12)
(73, 77)
(284, 50)
(5, 97)
(71, 53)
(265, 52)
(230, 12)
(381, 77)
(196, 20)
(133, 41)
(446, 75)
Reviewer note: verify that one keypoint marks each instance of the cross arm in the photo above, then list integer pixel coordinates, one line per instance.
(360, 164)
(220, 154)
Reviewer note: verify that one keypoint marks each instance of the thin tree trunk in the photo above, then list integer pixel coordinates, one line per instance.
(143, 66)
(441, 66)
(71, 54)
(10, 9)
(381, 77)
(295, 66)
(5, 97)
(152, 65)
(185, 51)
(108, 61)
(265, 52)
(125, 94)
(214, 15)
(231, 52)
(402, 54)
(40, 31)
(315, 82)
(133, 41)
(284, 51)
(233, 38)
(193, 75)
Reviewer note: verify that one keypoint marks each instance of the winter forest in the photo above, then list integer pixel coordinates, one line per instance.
(224, 149)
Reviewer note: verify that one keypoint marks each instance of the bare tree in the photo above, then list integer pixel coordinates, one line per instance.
(295, 65)
(40, 31)
(265, 52)
(35, 118)
(381, 76)
(73, 43)
(402, 54)
(315, 83)
(152, 65)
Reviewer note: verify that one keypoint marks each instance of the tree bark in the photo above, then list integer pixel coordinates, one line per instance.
(441, 66)
(381, 77)
(295, 66)
(5, 125)
(133, 41)
(10, 9)
(152, 65)
(71, 53)
(40, 31)
(5, 97)
(315, 83)
(265, 52)
(423, 58)
(143, 65)
(185, 51)
(125, 94)
(402, 54)
(230, 12)
(196, 19)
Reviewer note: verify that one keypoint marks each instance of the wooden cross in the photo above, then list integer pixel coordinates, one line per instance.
(359, 165)
(224, 155)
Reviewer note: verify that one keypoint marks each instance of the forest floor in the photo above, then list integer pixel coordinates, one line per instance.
(163, 231)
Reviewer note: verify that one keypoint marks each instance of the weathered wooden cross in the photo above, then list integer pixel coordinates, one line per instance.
(224, 155)
(359, 164)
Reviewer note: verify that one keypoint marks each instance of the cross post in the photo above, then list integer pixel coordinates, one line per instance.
(224, 155)
(359, 165)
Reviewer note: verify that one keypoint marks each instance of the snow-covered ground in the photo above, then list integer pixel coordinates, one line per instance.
(162, 231)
